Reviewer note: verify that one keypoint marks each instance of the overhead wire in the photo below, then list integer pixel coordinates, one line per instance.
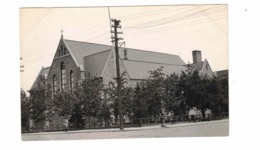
(181, 17)
(167, 20)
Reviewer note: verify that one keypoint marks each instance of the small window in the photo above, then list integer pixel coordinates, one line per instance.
(61, 49)
(54, 84)
(63, 76)
(59, 53)
(72, 81)
(65, 52)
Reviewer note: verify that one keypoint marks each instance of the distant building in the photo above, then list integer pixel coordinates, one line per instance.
(221, 73)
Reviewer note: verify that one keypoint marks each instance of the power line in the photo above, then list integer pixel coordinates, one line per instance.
(185, 23)
(168, 20)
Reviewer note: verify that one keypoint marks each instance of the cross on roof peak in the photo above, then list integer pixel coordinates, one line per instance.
(61, 31)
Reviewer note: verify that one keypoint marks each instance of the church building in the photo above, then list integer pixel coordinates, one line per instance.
(76, 60)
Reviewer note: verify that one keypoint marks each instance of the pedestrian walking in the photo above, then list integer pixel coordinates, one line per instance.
(66, 124)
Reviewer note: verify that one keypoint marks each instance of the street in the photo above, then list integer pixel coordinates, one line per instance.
(200, 129)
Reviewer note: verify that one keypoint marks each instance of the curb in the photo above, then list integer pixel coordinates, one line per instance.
(128, 129)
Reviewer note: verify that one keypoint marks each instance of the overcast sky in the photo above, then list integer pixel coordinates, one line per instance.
(176, 29)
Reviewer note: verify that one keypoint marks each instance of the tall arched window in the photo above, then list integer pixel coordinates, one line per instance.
(72, 81)
(54, 84)
(65, 52)
(63, 76)
(61, 49)
(59, 53)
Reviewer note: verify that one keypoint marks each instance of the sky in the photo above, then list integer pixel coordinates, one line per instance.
(172, 29)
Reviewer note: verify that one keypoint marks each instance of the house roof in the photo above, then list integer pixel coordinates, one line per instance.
(43, 73)
(82, 49)
(221, 72)
(140, 69)
(95, 63)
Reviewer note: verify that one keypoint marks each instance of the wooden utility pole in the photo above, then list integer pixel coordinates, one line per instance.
(116, 24)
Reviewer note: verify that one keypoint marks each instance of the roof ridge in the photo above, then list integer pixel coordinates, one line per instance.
(153, 62)
(152, 51)
(125, 48)
(88, 42)
(97, 53)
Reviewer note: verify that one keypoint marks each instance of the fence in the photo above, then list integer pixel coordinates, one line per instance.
(134, 122)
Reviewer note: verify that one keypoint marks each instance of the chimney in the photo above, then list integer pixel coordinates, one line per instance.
(196, 56)
(125, 54)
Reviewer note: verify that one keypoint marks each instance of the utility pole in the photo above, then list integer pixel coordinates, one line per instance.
(116, 24)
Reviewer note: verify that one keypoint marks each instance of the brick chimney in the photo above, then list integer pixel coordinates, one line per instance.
(196, 56)
(125, 54)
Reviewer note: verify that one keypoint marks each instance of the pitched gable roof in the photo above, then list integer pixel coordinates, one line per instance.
(140, 69)
(94, 58)
(96, 63)
(43, 73)
(149, 56)
(81, 49)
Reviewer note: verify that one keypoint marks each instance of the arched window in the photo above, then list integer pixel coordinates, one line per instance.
(61, 49)
(59, 53)
(54, 84)
(63, 76)
(72, 81)
(65, 52)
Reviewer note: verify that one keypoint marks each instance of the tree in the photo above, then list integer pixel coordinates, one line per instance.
(40, 102)
(91, 91)
(155, 92)
(77, 118)
(174, 99)
(25, 111)
(200, 92)
(139, 106)
(126, 95)
(63, 103)
(223, 81)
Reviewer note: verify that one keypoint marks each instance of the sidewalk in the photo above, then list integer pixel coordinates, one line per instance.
(127, 129)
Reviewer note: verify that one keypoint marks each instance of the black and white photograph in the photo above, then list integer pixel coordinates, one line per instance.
(124, 72)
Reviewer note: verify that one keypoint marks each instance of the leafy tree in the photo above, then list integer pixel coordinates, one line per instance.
(105, 112)
(139, 106)
(126, 95)
(63, 103)
(127, 100)
(224, 92)
(174, 99)
(218, 93)
(91, 90)
(40, 102)
(155, 92)
(77, 118)
(25, 111)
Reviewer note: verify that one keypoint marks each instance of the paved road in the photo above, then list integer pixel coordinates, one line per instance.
(213, 128)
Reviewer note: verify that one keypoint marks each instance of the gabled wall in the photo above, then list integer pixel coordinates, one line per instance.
(110, 70)
(69, 65)
(206, 69)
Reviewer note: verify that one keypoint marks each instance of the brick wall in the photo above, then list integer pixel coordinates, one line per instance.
(69, 64)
